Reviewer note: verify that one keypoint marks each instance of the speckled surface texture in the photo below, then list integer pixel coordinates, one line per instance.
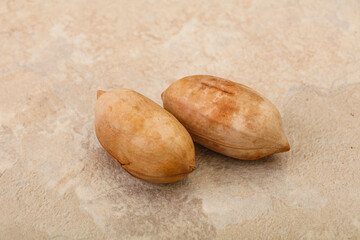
(57, 182)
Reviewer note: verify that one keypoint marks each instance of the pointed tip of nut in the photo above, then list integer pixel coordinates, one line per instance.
(188, 168)
(283, 142)
(288, 147)
(285, 147)
(192, 168)
(99, 93)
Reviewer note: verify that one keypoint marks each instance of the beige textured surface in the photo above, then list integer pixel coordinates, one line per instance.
(56, 182)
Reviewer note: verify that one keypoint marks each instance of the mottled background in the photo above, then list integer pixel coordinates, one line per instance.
(57, 182)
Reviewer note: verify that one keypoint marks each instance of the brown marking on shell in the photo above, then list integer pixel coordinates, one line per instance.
(217, 88)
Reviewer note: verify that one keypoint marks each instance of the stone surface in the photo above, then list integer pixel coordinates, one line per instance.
(57, 182)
